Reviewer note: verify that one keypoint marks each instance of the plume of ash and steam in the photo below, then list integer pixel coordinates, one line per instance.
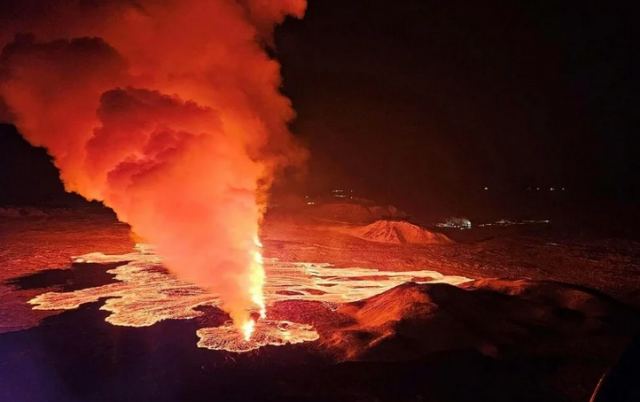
(169, 112)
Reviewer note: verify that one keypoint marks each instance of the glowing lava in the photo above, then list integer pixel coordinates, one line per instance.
(256, 289)
(247, 329)
(145, 293)
(265, 332)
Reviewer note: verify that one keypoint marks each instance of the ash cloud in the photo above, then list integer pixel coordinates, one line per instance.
(168, 112)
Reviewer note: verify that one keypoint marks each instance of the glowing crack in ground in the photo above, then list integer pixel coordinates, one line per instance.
(146, 294)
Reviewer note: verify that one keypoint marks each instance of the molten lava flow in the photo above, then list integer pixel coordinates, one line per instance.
(167, 112)
(257, 279)
(247, 329)
(256, 288)
(267, 332)
(145, 294)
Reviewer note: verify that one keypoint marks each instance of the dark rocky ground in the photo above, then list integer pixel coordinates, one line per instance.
(561, 316)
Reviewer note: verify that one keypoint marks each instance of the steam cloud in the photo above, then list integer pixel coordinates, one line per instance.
(169, 112)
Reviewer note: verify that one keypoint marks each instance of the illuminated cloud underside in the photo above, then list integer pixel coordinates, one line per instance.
(145, 294)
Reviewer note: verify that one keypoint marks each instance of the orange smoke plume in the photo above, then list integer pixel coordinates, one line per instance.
(170, 113)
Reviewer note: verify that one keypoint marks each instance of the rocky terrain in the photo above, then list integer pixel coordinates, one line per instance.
(523, 314)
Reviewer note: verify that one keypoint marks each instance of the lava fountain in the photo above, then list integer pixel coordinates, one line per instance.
(169, 113)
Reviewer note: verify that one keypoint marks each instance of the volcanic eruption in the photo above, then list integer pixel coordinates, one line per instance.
(167, 112)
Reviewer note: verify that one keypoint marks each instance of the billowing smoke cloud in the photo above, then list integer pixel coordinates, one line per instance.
(167, 111)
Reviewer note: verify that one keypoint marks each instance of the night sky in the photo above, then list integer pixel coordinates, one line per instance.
(424, 102)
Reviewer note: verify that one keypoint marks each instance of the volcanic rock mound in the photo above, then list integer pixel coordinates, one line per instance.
(397, 232)
(498, 318)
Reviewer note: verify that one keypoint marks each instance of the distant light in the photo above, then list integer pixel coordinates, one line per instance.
(537, 188)
(562, 189)
(457, 223)
(552, 189)
(486, 188)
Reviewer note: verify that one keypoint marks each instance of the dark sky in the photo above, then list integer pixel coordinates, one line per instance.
(417, 100)
(423, 102)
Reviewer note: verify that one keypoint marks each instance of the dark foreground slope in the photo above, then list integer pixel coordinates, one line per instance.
(495, 340)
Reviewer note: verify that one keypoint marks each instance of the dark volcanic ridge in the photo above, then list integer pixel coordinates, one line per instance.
(563, 337)
(498, 318)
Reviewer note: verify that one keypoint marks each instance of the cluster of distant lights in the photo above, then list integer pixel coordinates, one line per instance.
(348, 194)
(486, 188)
(335, 193)
(465, 224)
